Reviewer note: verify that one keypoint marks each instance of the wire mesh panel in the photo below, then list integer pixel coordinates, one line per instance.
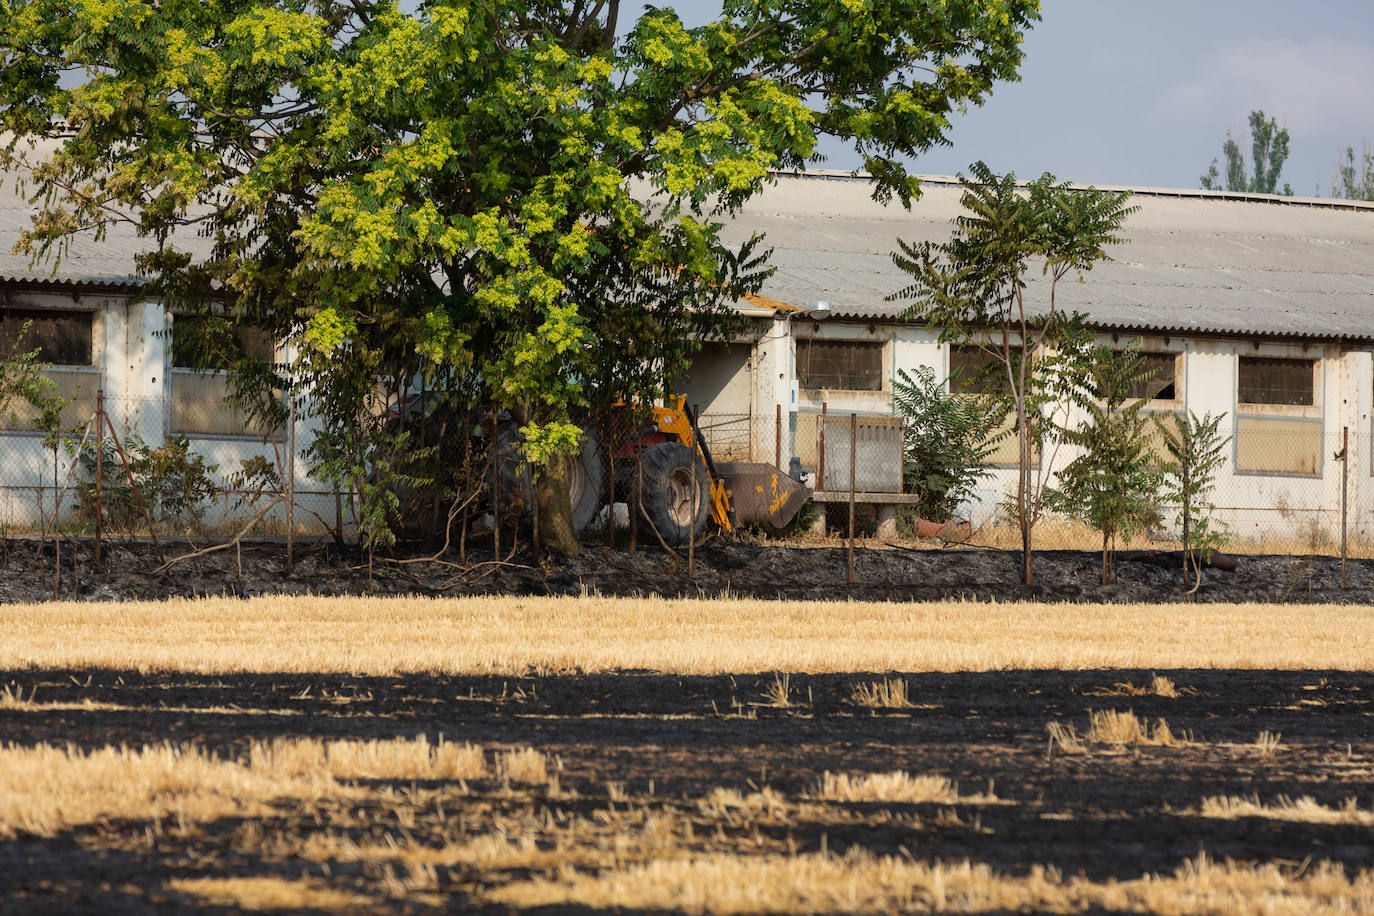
(124, 456)
(728, 436)
(1284, 487)
(825, 445)
(1290, 487)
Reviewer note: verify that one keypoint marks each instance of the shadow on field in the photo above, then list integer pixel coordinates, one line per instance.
(224, 712)
(1108, 810)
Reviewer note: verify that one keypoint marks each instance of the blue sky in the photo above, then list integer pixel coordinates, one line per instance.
(1142, 92)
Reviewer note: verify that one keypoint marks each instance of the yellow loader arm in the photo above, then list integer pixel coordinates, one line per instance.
(674, 420)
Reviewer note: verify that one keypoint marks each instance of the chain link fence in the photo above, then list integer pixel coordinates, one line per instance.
(144, 468)
(1298, 490)
(129, 470)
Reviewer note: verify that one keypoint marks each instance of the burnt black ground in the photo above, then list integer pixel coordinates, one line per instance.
(1115, 811)
(722, 566)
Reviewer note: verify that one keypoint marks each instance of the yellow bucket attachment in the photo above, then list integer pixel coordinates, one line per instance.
(761, 493)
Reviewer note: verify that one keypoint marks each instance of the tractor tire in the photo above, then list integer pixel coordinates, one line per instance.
(665, 496)
(515, 485)
(586, 483)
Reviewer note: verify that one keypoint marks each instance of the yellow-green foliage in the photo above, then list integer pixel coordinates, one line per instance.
(469, 184)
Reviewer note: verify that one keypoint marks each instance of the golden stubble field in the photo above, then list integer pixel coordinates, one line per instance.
(508, 636)
(551, 755)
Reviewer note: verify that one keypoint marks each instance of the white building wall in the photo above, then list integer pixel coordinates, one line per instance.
(1357, 405)
(132, 361)
(773, 375)
(146, 347)
(1253, 505)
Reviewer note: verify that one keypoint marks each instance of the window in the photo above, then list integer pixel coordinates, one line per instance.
(1162, 384)
(1277, 441)
(62, 338)
(199, 344)
(1283, 382)
(202, 349)
(840, 365)
(1274, 445)
(974, 371)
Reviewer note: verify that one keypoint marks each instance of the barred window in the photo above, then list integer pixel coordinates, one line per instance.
(61, 337)
(840, 365)
(1162, 384)
(1285, 382)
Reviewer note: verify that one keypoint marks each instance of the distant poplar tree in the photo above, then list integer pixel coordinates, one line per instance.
(1354, 176)
(1268, 152)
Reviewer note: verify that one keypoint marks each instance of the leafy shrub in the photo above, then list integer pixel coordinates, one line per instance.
(948, 437)
(173, 482)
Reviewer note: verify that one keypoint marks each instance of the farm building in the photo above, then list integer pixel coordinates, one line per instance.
(1257, 307)
(89, 323)
(1260, 308)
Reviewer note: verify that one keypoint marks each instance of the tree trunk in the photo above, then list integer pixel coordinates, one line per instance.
(555, 508)
(1104, 558)
(1187, 507)
(1024, 499)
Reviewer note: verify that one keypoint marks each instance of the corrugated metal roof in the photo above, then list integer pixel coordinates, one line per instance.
(1194, 261)
(108, 262)
(1206, 262)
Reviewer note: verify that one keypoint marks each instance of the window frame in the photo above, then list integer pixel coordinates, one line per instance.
(94, 369)
(97, 329)
(949, 366)
(174, 372)
(1166, 405)
(881, 347)
(948, 355)
(1313, 413)
(1264, 407)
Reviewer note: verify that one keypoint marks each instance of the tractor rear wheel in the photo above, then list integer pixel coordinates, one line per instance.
(665, 496)
(586, 490)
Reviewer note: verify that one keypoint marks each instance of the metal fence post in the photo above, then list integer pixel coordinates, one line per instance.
(853, 456)
(820, 450)
(467, 495)
(1345, 496)
(290, 484)
(609, 438)
(692, 524)
(495, 490)
(133, 485)
(56, 526)
(777, 438)
(636, 487)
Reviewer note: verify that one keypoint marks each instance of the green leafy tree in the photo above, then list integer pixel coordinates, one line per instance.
(1197, 450)
(972, 289)
(948, 440)
(1113, 484)
(1268, 152)
(435, 192)
(1355, 176)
